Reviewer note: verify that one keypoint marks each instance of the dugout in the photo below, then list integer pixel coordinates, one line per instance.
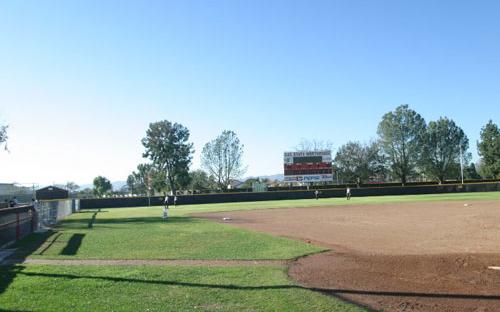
(51, 192)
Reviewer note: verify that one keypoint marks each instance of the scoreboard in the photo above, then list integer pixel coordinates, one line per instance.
(308, 166)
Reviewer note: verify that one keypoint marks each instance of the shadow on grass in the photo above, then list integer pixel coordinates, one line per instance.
(53, 239)
(73, 245)
(97, 220)
(139, 220)
(92, 220)
(334, 292)
(24, 248)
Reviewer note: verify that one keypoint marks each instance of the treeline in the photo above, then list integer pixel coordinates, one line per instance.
(407, 149)
(169, 152)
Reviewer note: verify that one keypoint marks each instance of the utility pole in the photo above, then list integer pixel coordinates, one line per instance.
(461, 163)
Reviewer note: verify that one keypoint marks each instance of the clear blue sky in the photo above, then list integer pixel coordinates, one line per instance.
(81, 80)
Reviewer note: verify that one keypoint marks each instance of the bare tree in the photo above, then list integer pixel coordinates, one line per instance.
(3, 135)
(72, 187)
(222, 158)
(314, 145)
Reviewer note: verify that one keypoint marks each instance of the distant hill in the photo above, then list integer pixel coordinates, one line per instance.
(117, 185)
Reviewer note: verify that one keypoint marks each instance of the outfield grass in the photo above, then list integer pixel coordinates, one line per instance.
(142, 234)
(186, 209)
(121, 288)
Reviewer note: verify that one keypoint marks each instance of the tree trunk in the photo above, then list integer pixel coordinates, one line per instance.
(172, 185)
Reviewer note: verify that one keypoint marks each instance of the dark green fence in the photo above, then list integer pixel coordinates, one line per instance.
(293, 194)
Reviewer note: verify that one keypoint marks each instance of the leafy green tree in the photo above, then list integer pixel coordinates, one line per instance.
(489, 150)
(400, 135)
(470, 172)
(141, 181)
(102, 186)
(200, 181)
(131, 184)
(222, 158)
(168, 148)
(443, 144)
(249, 183)
(358, 162)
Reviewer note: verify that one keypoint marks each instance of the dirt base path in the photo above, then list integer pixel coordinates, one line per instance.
(205, 263)
(405, 283)
(428, 256)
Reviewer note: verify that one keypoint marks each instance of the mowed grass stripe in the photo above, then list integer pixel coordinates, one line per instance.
(140, 233)
(118, 234)
(123, 288)
(303, 203)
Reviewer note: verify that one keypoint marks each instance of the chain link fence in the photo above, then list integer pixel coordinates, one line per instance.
(17, 222)
(52, 211)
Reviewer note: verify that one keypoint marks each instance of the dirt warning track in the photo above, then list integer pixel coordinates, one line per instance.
(426, 256)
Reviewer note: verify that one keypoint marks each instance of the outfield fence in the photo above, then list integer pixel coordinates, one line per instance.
(283, 195)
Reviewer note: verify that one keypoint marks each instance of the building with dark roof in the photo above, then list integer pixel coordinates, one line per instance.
(51, 192)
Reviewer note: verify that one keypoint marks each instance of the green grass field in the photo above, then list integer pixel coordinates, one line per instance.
(182, 210)
(86, 288)
(140, 233)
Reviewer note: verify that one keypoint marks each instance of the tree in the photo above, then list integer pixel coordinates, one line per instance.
(400, 135)
(444, 142)
(102, 186)
(124, 190)
(314, 145)
(3, 135)
(85, 193)
(141, 181)
(249, 183)
(72, 187)
(200, 181)
(359, 161)
(131, 184)
(489, 150)
(222, 158)
(167, 147)
(471, 173)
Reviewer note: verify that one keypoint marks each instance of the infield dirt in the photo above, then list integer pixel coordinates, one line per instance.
(425, 256)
